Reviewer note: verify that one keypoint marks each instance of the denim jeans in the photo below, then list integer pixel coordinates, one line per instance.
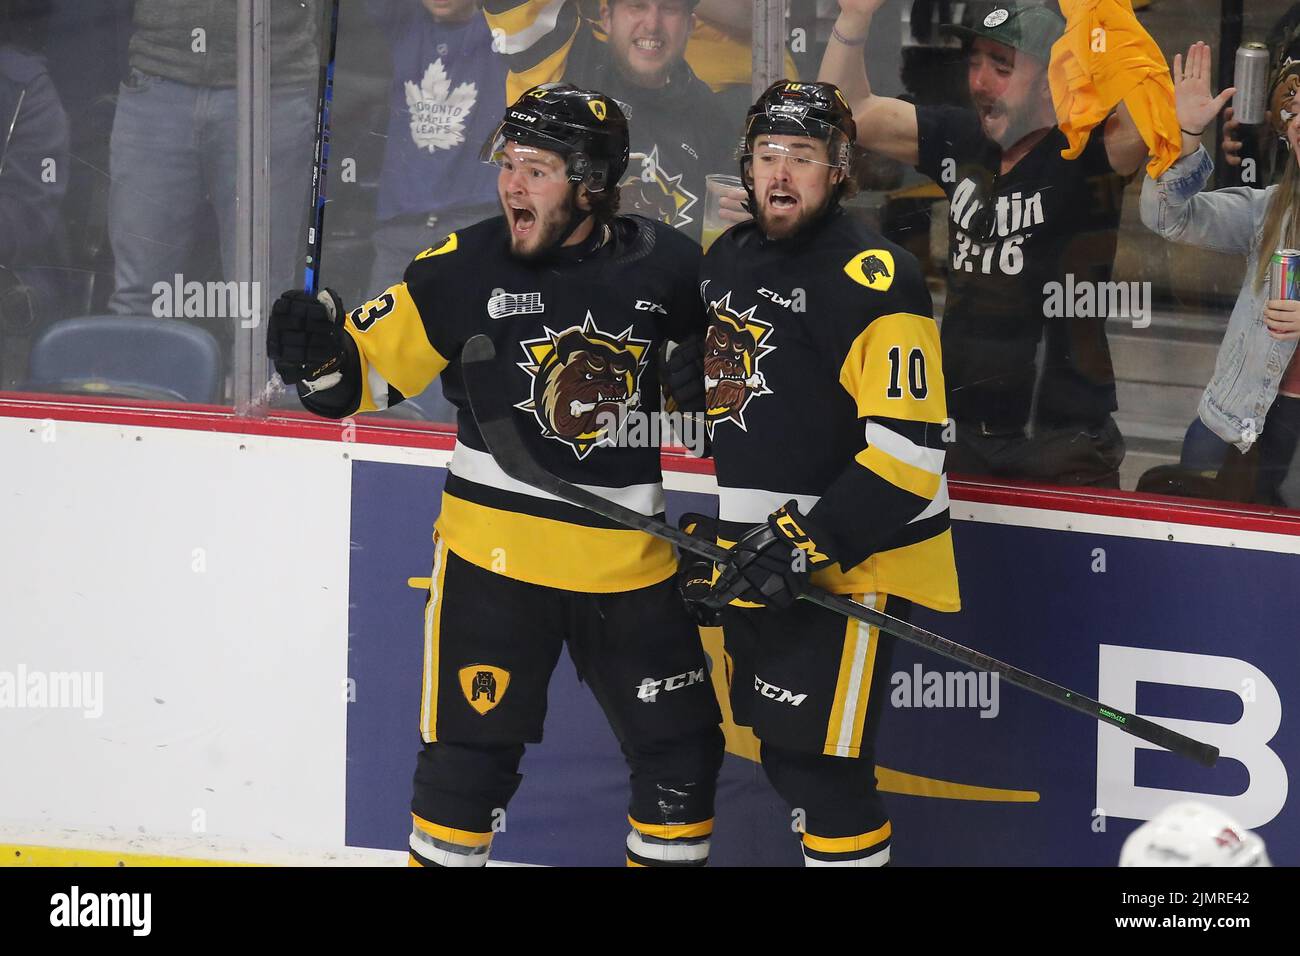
(172, 159)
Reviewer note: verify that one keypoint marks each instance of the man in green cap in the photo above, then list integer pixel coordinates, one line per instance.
(1030, 381)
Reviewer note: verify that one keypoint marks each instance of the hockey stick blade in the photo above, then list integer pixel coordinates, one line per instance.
(500, 430)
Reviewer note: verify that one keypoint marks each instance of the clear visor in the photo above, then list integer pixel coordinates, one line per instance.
(805, 153)
(830, 149)
(537, 166)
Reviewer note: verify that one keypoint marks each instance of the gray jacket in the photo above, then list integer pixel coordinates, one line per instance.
(165, 40)
(1251, 362)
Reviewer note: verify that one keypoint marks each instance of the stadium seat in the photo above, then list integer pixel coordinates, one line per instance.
(127, 357)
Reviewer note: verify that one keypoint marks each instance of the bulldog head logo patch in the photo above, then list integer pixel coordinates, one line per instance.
(733, 347)
(484, 685)
(584, 382)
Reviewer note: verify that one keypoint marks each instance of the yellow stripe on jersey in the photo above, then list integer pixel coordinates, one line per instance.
(923, 572)
(392, 341)
(722, 60)
(899, 473)
(853, 685)
(450, 834)
(554, 554)
(894, 369)
(673, 831)
(450, 244)
(549, 70)
(518, 19)
(433, 643)
(863, 841)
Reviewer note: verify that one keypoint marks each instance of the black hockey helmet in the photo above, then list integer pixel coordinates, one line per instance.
(587, 128)
(818, 110)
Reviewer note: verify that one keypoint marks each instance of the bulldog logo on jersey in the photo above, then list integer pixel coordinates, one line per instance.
(653, 193)
(873, 269)
(483, 685)
(584, 380)
(733, 347)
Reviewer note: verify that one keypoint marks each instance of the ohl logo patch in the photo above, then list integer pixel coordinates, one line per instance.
(873, 269)
(654, 194)
(733, 347)
(584, 381)
(484, 685)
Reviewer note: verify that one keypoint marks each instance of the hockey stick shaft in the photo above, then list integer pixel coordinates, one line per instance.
(500, 431)
(320, 164)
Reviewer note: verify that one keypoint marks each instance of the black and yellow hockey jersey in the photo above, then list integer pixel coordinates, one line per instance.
(679, 132)
(825, 384)
(577, 337)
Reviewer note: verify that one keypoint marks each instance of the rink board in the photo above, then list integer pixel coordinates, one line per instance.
(243, 590)
(1042, 760)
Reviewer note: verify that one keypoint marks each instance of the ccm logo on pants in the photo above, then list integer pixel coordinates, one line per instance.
(772, 692)
(648, 689)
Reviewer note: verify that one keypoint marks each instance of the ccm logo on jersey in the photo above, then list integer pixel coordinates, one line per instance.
(504, 303)
(772, 692)
(649, 688)
(643, 306)
(776, 297)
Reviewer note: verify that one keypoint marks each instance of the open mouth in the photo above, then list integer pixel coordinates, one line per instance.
(648, 45)
(522, 221)
(782, 201)
(990, 111)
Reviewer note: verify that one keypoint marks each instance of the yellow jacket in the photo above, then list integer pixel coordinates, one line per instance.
(1105, 57)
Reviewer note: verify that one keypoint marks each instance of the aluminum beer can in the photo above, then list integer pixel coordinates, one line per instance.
(1250, 77)
(1283, 274)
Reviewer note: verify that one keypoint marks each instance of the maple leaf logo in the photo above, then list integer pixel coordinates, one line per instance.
(438, 113)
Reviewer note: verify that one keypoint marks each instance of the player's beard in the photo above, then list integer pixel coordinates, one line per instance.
(550, 230)
(787, 228)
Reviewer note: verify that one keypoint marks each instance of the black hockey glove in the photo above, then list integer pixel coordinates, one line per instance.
(772, 562)
(304, 338)
(695, 574)
(682, 370)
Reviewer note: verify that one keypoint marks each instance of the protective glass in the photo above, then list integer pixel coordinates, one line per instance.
(539, 167)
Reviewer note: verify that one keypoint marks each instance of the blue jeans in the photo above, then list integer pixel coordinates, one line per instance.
(397, 242)
(1202, 449)
(172, 159)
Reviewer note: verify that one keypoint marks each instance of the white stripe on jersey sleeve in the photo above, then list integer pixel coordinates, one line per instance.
(896, 446)
(753, 505)
(378, 389)
(481, 468)
(938, 506)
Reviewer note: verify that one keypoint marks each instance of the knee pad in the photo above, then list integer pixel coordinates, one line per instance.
(844, 819)
(671, 808)
(461, 790)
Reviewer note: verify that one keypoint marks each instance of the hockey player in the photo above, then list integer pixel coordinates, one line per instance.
(576, 300)
(824, 397)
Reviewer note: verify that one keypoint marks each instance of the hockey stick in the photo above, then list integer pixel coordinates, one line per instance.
(500, 429)
(320, 166)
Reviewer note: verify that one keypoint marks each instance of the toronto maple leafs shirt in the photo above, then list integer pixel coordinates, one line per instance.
(447, 96)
